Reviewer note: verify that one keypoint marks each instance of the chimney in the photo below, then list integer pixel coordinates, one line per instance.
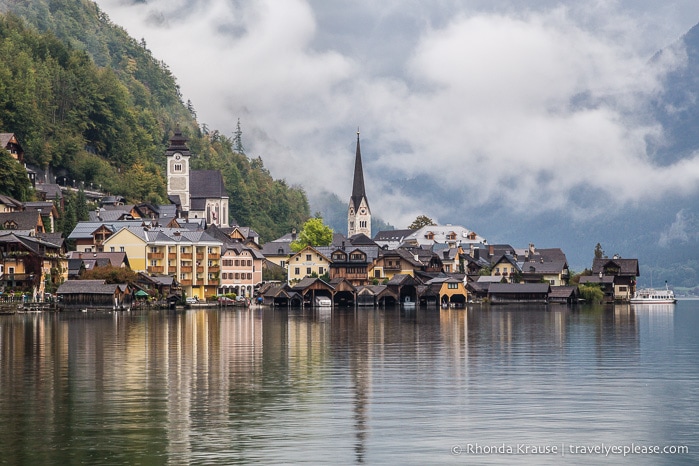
(491, 251)
(343, 245)
(293, 234)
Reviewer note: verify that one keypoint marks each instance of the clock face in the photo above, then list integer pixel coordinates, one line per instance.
(362, 211)
(178, 156)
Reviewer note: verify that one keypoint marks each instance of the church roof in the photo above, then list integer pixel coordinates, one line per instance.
(206, 184)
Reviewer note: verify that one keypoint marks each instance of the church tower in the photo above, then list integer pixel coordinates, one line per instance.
(358, 214)
(178, 169)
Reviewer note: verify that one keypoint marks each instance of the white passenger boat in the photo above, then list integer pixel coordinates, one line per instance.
(654, 296)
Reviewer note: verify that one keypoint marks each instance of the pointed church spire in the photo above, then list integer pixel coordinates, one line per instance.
(358, 191)
(358, 213)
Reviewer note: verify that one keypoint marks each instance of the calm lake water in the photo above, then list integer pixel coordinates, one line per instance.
(374, 386)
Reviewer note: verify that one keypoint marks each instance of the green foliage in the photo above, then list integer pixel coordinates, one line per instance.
(421, 221)
(313, 233)
(599, 252)
(15, 182)
(86, 99)
(591, 293)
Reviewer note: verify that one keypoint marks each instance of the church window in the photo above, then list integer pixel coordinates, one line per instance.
(178, 167)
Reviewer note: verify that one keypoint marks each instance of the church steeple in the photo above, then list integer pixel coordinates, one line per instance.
(358, 214)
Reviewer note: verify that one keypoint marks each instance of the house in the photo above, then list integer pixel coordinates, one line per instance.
(452, 235)
(79, 262)
(508, 293)
(10, 204)
(192, 257)
(25, 222)
(564, 294)
(90, 236)
(624, 271)
(391, 239)
(163, 286)
(351, 263)
(306, 263)
(48, 212)
(554, 273)
(506, 268)
(89, 294)
(241, 269)
(450, 291)
(30, 264)
(392, 262)
(9, 142)
(51, 192)
(279, 251)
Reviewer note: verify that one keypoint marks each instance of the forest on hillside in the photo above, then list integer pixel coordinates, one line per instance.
(89, 103)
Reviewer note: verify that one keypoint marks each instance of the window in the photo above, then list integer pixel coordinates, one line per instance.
(297, 271)
(447, 268)
(178, 167)
(308, 271)
(320, 271)
(89, 249)
(249, 276)
(237, 263)
(308, 258)
(452, 286)
(153, 249)
(122, 249)
(111, 248)
(250, 263)
(237, 276)
(153, 263)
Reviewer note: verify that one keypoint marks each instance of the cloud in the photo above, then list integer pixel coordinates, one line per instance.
(538, 110)
(681, 230)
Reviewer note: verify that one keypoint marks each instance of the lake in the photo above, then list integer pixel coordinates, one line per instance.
(484, 385)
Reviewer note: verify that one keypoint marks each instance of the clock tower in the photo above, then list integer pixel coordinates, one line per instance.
(178, 155)
(358, 213)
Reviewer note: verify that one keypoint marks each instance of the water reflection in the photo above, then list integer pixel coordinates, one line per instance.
(371, 385)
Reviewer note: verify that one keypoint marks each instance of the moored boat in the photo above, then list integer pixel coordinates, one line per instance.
(654, 296)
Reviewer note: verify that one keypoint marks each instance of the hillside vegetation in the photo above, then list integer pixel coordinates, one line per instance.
(89, 103)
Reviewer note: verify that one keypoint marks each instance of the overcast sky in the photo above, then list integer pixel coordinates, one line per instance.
(529, 101)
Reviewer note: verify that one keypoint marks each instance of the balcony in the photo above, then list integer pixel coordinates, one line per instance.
(186, 269)
(156, 269)
(200, 256)
(156, 255)
(187, 282)
(214, 255)
(172, 256)
(214, 269)
(186, 256)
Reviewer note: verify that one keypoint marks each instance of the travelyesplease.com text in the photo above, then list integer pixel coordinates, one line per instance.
(564, 449)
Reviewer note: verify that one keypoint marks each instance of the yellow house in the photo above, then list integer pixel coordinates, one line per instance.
(307, 262)
(505, 267)
(133, 242)
(394, 262)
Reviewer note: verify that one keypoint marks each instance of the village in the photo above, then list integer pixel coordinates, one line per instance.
(186, 252)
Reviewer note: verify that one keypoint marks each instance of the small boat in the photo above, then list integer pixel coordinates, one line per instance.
(322, 301)
(654, 296)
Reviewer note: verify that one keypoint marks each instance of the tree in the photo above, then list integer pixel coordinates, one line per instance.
(313, 233)
(110, 274)
(421, 221)
(599, 252)
(238, 139)
(15, 182)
